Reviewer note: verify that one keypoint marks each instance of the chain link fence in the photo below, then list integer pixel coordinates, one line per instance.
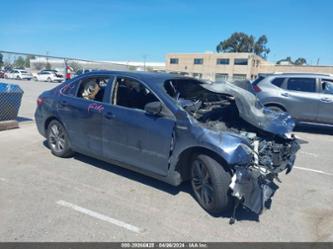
(10, 101)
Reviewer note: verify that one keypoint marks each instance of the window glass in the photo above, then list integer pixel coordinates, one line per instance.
(222, 61)
(239, 77)
(174, 60)
(93, 88)
(327, 86)
(241, 61)
(221, 77)
(278, 81)
(198, 61)
(302, 84)
(132, 94)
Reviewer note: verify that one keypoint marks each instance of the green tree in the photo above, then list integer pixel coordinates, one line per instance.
(1, 60)
(240, 42)
(300, 61)
(19, 62)
(48, 66)
(75, 65)
(27, 60)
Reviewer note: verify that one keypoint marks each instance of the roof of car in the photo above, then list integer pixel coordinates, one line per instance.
(146, 76)
(297, 75)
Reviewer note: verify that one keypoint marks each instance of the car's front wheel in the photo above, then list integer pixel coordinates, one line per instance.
(210, 184)
(58, 140)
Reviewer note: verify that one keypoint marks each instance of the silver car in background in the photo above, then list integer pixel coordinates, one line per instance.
(306, 97)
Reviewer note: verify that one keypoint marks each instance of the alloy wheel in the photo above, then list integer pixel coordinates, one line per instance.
(57, 138)
(201, 183)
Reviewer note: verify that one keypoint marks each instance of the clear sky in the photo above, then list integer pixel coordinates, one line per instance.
(130, 29)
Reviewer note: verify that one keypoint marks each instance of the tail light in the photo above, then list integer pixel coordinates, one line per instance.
(40, 101)
(256, 88)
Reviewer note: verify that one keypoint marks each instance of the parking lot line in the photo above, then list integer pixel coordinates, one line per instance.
(100, 216)
(314, 170)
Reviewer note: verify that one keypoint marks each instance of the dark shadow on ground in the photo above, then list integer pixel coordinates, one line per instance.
(23, 119)
(241, 214)
(314, 128)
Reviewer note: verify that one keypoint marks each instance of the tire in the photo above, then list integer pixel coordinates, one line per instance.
(211, 186)
(49, 79)
(18, 77)
(58, 141)
(35, 79)
(275, 108)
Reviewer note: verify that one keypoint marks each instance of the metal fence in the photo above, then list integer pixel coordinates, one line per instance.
(10, 101)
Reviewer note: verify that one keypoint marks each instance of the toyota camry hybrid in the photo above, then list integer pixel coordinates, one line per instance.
(175, 129)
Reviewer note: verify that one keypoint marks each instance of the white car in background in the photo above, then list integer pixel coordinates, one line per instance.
(49, 76)
(19, 74)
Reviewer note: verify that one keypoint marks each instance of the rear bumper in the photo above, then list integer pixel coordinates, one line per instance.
(39, 120)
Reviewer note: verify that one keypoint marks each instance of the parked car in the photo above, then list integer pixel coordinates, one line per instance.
(306, 97)
(2, 74)
(49, 76)
(19, 74)
(173, 128)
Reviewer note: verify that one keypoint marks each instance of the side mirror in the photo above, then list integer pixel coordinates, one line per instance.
(153, 108)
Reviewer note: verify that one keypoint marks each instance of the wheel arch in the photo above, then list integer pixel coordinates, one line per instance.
(183, 165)
(276, 105)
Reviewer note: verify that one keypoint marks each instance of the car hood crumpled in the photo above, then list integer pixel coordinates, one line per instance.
(251, 110)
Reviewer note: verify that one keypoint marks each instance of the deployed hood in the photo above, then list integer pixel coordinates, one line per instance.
(251, 110)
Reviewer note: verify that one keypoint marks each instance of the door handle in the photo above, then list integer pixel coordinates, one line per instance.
(285, 94)
(326, 100)
(109, 115)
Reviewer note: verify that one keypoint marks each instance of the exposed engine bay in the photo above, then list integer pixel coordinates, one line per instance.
(252, 185)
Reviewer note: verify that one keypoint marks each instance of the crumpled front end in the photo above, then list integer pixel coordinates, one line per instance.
(254, 185)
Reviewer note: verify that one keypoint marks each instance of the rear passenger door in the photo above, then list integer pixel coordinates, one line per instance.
(301, 98)
(83, 116)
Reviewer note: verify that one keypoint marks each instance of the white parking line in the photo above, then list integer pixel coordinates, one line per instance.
(314, 170)
(309, 154)
(101, 216)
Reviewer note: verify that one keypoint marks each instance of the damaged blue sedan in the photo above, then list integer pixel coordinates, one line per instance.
(175, 129)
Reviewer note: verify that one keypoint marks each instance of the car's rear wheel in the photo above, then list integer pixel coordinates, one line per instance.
(35, 79)
(58, 140)
(18, 77)
(210, 184)
(49, 79)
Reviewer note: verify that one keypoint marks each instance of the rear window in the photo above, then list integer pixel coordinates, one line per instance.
(302, 84)
(258, 80)
(278, 81)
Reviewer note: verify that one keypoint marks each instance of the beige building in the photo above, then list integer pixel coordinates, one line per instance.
(232, 66)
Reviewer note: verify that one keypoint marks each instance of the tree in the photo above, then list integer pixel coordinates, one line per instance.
(240, 42)
(27, 60)
(48, 66)
(19, 62)
(39, 65)
(300, 61)
(1, 60)
(75, 65)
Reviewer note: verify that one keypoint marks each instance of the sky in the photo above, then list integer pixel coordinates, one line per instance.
(134, 29)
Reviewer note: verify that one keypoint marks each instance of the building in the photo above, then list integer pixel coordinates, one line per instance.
(231, 66)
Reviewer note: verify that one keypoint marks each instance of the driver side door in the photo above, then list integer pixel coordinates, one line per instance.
(133, 136)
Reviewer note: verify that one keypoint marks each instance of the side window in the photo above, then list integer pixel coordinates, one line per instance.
(278, 81)
(93, 88)
(302, 84)
(132, 94)
(327, 86)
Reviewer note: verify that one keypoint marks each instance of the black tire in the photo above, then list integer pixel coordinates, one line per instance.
(49, 79)
(58, 140)
(216, 188)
